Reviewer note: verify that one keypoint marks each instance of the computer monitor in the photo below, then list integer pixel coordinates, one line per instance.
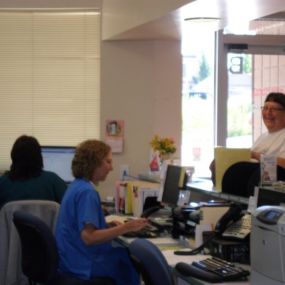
(173, 183)
(270, 197)
(58, 159)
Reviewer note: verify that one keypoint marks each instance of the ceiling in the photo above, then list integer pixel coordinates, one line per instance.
(240, 16)
(230, 14)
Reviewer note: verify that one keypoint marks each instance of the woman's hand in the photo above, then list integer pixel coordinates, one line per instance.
(255, 155)
(114, 224)
(134, 225)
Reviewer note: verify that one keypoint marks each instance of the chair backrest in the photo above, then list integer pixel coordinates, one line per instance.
(151, 263)
(39, 252)
(10, 248)
(237, 177)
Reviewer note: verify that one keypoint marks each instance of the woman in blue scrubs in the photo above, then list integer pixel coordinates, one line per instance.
(82, 234)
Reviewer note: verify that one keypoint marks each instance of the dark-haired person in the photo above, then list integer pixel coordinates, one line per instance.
(83, 236)
(26, 179)
(273, 141)
(245, 175)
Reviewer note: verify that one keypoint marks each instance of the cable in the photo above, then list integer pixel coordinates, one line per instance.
(197, 249)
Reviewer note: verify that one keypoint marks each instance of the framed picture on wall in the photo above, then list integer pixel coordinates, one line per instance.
(114, 134)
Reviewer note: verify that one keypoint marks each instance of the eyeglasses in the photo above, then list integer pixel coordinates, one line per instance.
(272, 109)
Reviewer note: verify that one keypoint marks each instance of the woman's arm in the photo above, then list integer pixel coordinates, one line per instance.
(91, 235)
(281, 162)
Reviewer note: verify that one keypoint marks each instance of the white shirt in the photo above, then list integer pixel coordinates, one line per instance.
(271, 144)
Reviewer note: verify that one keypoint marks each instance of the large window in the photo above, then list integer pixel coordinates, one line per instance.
(221, 99)
(198, 100)
(49, 77)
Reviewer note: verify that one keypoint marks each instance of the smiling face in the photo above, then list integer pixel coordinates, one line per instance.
(273, 115)
(100, 173)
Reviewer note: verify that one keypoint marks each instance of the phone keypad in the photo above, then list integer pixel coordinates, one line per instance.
(239, 229)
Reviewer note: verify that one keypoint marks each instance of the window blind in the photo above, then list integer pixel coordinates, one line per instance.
(49, 77)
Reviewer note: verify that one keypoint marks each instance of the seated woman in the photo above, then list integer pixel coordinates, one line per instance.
(26, 179)
(245, 175)
(82, 234)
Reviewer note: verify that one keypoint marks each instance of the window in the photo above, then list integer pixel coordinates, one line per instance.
(198, 101)
(49, 77)
(226, 111)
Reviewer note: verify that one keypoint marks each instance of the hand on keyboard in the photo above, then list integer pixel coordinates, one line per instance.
(148, 231)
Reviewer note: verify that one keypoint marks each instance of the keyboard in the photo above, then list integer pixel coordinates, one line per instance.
(213, 269)
(147, 232)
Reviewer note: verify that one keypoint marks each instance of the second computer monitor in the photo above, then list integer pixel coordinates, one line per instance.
(173, 183)
(58, 159)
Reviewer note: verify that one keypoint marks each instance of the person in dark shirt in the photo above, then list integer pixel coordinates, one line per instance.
(26, 179)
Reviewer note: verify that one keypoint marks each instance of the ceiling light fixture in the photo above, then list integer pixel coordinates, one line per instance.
(202, 19)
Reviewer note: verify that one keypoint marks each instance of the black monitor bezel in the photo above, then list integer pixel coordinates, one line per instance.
(169, 200)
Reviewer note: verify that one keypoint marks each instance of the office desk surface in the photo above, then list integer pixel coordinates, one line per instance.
(167, 246)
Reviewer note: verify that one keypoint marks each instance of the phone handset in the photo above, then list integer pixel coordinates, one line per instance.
(232, 215)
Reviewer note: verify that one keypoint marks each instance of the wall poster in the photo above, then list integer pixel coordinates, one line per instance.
(114, 135)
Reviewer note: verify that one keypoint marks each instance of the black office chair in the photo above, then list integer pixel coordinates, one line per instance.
(237, 177)
(151, 263)
(39, 254)
(241, 178)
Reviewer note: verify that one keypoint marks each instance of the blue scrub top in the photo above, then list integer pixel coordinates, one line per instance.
(81, 205)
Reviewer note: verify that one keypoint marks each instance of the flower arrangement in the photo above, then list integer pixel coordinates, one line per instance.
(163, 145)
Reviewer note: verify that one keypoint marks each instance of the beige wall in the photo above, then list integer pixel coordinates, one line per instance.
(140, 84)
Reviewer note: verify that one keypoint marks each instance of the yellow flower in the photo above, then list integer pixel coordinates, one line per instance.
(163, 145)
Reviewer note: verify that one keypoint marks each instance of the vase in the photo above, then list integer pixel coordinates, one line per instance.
(165, 160)
(155, 162)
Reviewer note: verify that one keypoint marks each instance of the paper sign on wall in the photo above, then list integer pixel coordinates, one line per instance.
(114, 135)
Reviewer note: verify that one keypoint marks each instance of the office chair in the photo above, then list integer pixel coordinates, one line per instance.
(150, 262)
(237, 177)
(10, 246)
(39, 254)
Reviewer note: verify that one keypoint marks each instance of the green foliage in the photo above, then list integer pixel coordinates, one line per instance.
(239, 121)
(204, 70)
(247, 63)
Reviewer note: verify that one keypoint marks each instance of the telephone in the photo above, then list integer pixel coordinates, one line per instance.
(234, 224)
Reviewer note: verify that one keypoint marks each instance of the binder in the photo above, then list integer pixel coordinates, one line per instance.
(225, 157)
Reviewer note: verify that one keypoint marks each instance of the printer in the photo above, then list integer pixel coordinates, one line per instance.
(267, 246)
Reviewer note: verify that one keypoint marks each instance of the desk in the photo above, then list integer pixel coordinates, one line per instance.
(173, 259)
(168, 245)
(204, 189)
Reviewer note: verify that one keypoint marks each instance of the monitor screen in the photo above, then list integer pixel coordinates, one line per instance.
(270, 197)
(58, 160)
(173, 183)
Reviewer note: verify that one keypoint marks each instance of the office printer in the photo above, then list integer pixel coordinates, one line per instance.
(267, 246)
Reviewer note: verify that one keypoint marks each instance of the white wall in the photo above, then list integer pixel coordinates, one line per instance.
(140, 84)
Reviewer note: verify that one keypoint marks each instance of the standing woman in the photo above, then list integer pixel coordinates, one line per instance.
(82, 234)
(26, 179)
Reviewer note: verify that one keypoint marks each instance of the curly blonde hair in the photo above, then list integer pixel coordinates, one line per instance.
(88, 156)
